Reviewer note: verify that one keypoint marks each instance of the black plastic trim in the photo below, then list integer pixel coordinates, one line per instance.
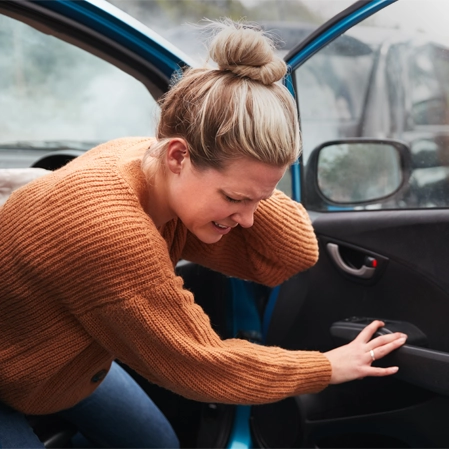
(57, 159)
(348, 329)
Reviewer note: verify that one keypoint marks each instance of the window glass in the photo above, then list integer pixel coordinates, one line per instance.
(429, 85)
(55, 95)
(339, 77)
(384, 79)
(332, 88)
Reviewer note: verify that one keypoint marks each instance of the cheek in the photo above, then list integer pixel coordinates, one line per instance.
(208, 211)
(205, 211)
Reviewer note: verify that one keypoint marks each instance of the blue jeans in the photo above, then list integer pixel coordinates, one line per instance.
(118, 414)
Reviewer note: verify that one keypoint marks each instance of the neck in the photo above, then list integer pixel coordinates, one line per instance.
(158, 207)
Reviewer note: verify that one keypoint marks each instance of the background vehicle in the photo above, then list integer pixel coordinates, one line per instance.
(350, 82)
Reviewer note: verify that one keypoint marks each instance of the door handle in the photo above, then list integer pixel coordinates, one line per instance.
(364, 272)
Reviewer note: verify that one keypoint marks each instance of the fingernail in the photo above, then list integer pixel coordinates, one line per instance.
(402, 340)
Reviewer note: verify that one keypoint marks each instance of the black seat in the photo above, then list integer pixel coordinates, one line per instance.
(52, 430)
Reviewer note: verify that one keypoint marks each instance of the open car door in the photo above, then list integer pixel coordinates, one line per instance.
(374, 106)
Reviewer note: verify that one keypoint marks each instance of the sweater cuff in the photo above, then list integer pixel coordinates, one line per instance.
(317, 377)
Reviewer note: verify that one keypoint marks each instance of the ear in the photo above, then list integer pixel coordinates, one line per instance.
(176, 155)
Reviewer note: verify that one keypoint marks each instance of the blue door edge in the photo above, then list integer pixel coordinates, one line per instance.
(243, 318)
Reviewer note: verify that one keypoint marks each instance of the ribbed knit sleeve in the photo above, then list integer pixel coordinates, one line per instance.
(169, 341)
(279, 244)
(130, 301)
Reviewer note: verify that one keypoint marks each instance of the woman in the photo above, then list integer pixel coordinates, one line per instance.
(88, 255)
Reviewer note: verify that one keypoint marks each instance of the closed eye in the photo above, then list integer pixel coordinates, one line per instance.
(232, 200)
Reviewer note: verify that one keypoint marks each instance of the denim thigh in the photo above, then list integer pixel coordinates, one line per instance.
(120, 414)
(15, 432)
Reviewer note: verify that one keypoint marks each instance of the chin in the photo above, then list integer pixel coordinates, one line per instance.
(207, 237)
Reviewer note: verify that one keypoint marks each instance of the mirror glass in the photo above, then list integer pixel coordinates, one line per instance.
(355, 172)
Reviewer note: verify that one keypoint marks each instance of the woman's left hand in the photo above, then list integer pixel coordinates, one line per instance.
(353, 361)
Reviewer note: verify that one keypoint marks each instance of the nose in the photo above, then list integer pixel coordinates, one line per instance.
(245, 217)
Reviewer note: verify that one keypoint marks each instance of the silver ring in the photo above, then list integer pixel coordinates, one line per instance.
(372, 355)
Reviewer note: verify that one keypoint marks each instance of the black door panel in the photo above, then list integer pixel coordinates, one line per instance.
(414, 238)
(401, 293)
(411, 286)
(368, 413)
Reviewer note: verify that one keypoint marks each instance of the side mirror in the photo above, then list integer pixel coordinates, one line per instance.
(356, 172)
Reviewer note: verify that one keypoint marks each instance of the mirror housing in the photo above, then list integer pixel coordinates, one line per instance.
(354, 173)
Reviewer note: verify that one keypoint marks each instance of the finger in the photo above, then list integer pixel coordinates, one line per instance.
(367, 334)
(382, 351)
(384, 339)
(381, 372)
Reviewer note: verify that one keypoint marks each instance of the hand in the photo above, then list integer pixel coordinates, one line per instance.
(353, 361)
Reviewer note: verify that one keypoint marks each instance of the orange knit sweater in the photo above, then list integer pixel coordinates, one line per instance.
(86, 277)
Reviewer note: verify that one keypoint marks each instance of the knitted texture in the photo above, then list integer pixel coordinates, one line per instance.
(87, 278)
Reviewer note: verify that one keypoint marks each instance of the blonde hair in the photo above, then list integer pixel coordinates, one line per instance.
(241, 109)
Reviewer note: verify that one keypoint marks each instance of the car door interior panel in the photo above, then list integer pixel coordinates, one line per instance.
(329, 306)
(412, 238)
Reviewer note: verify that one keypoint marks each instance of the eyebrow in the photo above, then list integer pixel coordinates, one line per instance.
(241, 197)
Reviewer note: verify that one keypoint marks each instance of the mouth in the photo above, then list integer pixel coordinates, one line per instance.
(221, 229)
(220, 226)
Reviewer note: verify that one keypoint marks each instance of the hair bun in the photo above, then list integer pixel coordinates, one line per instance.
(246, 51)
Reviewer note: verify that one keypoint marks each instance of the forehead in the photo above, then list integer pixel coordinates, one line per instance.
(249, 178)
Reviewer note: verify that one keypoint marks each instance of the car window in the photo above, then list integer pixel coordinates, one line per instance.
(55, 95)
(429, 85)
(337, 78)
(382, 82)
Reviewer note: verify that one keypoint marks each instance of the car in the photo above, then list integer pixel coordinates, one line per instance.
(373, 104)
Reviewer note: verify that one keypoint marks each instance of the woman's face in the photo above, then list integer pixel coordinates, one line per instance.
(212, 202)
